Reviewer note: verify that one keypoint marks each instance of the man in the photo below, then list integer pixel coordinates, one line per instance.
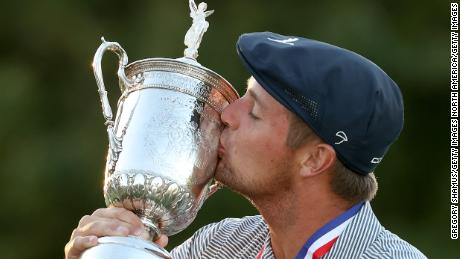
(302, 145)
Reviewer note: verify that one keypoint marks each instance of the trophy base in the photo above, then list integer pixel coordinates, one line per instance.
(125, 248)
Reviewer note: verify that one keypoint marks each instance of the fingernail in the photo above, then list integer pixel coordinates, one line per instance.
(92, 239)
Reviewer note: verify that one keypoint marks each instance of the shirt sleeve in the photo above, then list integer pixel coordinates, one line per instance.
(198, 242)
(389, 246)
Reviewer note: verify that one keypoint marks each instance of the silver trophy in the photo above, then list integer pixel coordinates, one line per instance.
(163, 142)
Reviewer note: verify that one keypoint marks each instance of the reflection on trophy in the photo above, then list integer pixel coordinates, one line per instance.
(163, 142)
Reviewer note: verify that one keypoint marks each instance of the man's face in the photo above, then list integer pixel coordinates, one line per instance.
(255, 159)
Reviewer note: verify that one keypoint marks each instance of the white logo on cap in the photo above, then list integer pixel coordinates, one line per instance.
(343, 137)
(289, 41)
(376, 160)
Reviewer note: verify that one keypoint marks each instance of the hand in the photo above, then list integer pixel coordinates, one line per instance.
(106, 222)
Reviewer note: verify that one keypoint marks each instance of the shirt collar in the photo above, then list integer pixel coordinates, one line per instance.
(329, 232)
(358, 236)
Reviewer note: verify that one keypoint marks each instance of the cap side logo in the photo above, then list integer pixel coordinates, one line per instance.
(376, 160)
(289, 41)
(343, 137)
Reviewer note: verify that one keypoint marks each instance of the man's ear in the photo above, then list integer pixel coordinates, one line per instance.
(317, 159)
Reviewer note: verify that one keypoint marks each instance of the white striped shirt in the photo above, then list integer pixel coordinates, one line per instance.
(363, 238)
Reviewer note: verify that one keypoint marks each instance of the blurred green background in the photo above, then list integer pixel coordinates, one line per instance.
(53, 141)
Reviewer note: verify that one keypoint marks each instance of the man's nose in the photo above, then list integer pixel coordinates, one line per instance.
(229, 115)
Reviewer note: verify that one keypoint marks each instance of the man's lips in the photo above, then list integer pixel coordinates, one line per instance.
(220, 151)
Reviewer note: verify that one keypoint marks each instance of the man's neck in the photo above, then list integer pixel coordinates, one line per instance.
(293, 218)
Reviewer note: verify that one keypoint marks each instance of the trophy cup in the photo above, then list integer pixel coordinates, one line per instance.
(163, 142)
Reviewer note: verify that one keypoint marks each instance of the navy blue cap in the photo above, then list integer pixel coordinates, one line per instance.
(347, 100)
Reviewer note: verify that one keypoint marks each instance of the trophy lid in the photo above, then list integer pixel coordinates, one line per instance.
(187, 65)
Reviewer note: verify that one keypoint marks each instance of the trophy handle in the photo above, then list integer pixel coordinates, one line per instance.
(124, 81)
(115, 146)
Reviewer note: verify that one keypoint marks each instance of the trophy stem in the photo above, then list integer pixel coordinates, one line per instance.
(152, 228)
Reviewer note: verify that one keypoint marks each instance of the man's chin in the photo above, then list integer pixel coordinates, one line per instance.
(225, 175)
(221, 171)
(227, 178)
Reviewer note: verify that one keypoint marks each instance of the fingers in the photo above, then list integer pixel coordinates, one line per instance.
(162, 240)
(120, 214)
(76, 246)
(104, 227)
(103, 222)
